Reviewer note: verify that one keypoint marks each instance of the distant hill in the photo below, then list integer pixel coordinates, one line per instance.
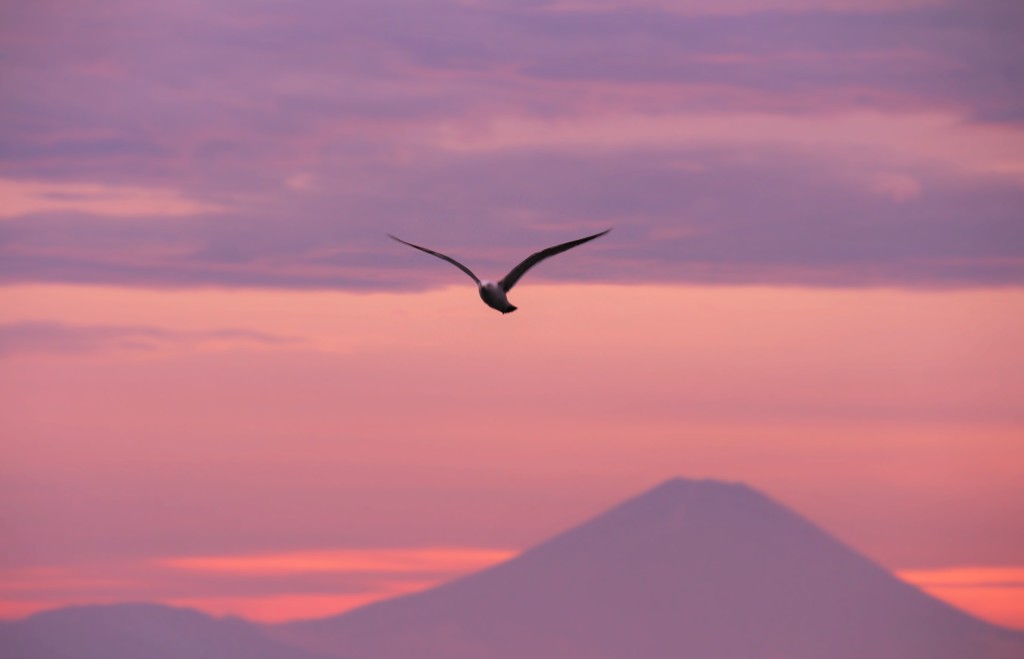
(697, 569)
(138, 631)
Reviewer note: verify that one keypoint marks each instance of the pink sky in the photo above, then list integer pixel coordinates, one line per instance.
(356, 421)
(215, 361)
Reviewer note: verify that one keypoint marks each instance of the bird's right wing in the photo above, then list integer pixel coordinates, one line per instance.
(440, 256)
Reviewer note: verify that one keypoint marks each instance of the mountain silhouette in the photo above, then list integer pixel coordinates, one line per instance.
(138, 631)
(690, 569)
(696, 569)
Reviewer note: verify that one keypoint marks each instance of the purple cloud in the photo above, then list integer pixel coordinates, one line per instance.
(320, 128)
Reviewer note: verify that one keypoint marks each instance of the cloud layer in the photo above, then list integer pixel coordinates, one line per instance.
(274, 144)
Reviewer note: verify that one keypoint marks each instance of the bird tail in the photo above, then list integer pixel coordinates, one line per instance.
(509, 310)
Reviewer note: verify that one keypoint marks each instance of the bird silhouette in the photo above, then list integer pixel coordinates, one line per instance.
(495, 294)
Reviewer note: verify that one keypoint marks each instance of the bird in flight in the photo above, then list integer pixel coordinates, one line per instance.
(495, 294)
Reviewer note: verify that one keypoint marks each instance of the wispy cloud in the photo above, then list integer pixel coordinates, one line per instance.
(29, 197)
(966, 577)
(54, 337)
(416, 561)
(736, 6)
(995, 593)
(268, 587)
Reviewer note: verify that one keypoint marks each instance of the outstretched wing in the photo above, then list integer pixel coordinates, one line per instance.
(512, 277)
(440, 256)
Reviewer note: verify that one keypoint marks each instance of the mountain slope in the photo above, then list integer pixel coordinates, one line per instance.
(691, 568)
(138, 631)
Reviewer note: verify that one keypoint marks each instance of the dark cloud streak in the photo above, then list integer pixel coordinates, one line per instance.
(59, 338)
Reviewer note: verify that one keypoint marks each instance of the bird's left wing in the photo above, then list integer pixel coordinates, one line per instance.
(512, 277)
(440, 256)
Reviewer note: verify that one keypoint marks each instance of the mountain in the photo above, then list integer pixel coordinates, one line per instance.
(697, 569)
(138, 631)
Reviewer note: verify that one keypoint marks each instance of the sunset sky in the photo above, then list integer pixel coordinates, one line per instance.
(222, 386)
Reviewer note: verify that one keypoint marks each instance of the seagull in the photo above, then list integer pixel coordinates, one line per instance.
(495, 294)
